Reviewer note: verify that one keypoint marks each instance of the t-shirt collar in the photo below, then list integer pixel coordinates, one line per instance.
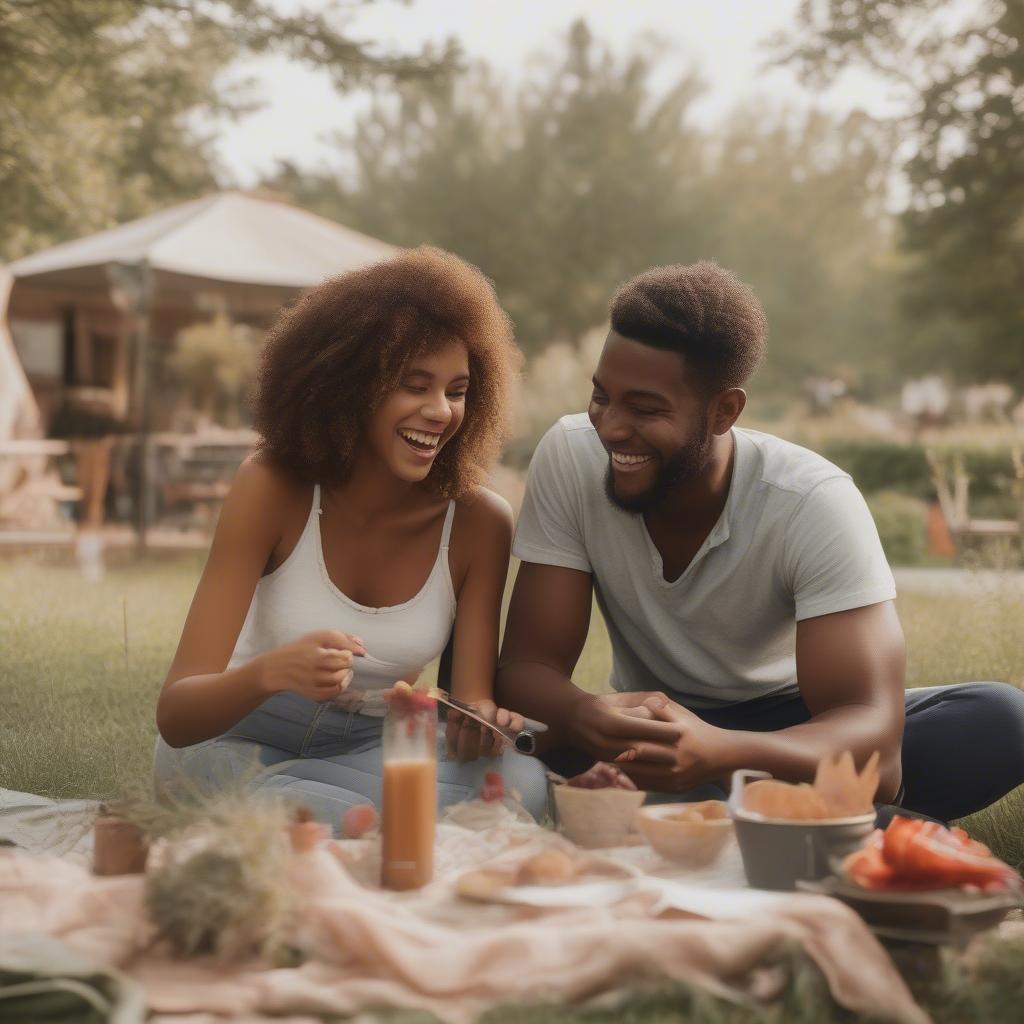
(737, 485)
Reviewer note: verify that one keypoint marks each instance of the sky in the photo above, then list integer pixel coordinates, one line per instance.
(721, 38)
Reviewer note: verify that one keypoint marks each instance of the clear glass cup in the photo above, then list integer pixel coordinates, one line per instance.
(409, 813)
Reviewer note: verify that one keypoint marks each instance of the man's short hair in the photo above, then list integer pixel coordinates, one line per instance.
(700, 310)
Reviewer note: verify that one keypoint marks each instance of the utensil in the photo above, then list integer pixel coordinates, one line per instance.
(525, 741)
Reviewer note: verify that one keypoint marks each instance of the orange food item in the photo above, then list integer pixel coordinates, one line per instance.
(913, 854)
(838, 791)
(776, 799)
(706, 810)
(549, 867)
(410, 813)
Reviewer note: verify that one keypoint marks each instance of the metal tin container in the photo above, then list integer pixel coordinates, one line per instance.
(778, 853)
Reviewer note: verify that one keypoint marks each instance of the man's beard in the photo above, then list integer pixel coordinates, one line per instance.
(685, 464)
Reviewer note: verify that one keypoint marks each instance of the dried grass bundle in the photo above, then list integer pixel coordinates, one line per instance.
(217, 881)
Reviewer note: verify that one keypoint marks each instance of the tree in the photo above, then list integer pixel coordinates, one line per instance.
(95, 98)
(559, 192)
(796, 207)
(586, 176)
(963, 75)
(215, 361)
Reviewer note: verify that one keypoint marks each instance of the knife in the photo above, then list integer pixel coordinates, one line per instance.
(525, 741)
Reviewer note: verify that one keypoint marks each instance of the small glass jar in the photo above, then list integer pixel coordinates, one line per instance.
(410, 791)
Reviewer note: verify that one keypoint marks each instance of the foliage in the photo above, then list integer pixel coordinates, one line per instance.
(901, 523)
(892, 465)
(96, 98)
(961, 67)
(216, 361)
(557, 383)
(588, 174)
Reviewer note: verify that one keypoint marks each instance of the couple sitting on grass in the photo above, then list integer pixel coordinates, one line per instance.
(748, 601)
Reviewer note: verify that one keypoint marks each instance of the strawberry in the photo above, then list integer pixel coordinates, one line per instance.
(493, 787)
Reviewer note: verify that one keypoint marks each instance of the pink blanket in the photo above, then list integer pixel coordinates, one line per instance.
(432, 951)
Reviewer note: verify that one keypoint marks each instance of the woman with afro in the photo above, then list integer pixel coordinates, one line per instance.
(355, 541)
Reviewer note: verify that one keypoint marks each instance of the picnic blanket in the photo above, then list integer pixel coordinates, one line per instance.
(44, 825)
(432, 951)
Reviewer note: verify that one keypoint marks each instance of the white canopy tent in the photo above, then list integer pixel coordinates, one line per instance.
(229, 237)
(109, 297)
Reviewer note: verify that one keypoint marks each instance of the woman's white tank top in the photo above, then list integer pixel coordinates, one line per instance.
(298, 597)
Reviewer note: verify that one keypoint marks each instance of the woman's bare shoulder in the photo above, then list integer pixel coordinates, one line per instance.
(258, 477)
(485, 513)
(262, 488)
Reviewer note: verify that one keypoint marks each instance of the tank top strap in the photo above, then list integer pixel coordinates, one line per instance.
(446, 532)
(316, 509)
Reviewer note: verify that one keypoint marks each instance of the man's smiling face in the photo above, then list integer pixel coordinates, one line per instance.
(652, 419)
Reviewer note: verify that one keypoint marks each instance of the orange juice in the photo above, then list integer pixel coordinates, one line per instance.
(407, 826)
(410, 789)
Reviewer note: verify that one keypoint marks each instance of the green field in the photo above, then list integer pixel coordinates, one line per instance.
(83, 662)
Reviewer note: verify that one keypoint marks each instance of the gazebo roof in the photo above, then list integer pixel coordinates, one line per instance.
(230, 237)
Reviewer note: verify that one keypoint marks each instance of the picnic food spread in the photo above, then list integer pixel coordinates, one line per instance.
(518, 910)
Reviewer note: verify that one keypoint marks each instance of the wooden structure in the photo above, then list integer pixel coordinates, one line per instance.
(952, 487)
(86, 316)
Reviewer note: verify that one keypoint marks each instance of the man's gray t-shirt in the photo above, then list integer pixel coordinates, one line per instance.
(795, 540)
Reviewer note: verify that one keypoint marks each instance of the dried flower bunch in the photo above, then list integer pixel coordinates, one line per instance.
(221, 888)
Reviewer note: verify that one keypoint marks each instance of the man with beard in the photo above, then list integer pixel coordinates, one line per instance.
(746, 594)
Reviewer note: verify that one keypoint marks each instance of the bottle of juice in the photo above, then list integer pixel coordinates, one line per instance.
(410, 790)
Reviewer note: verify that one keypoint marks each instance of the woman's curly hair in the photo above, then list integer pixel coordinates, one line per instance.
(333, 357)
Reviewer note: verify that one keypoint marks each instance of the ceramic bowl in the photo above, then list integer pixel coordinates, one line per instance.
(594, 818)
(690, 834)
(778, 853)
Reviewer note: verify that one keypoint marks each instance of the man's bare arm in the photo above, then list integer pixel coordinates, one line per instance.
(546, 628)
(548, 619)
(850, 667)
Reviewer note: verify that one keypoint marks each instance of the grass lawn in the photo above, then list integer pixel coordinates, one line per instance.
(82, 663)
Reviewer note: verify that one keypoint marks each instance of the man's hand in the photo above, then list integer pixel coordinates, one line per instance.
(602, 776)
(695, 756)
(636, 704)
(607, 726)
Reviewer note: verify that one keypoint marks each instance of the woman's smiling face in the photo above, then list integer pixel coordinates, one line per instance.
(418, 418)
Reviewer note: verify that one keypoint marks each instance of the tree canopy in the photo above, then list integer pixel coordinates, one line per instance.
(961, 69)
(96, 98)
(586, 174)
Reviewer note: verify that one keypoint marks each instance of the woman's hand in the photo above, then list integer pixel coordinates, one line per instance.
(467, 740)
(317, 665)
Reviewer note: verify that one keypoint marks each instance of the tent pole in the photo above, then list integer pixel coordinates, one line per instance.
(142, 296)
